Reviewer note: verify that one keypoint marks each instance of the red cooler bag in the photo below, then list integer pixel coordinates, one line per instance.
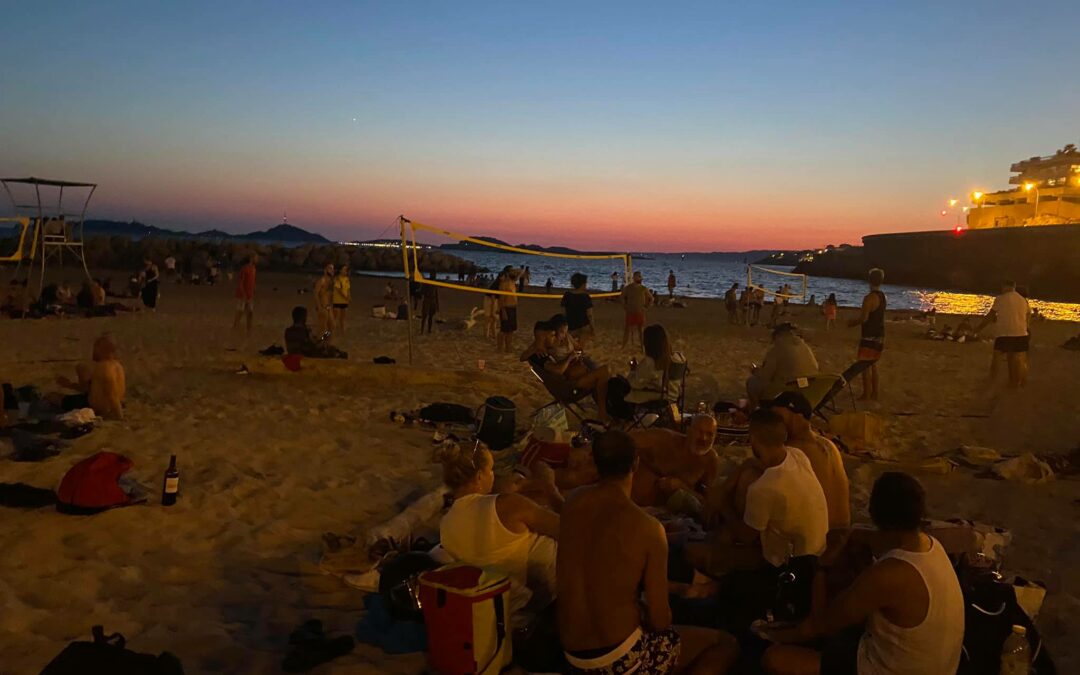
(467, 615)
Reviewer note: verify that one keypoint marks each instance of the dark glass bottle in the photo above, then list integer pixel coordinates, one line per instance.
(171, 487)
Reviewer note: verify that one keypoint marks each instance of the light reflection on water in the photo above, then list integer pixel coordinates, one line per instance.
(948, 302)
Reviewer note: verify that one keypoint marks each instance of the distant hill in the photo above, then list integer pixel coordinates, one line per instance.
(469, 246)
(280, 233)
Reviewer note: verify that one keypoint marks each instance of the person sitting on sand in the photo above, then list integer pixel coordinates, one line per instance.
(909, 600)
(101, 385)
(772, 510)
(575, 367)
(824, 456)
(613, 611)
(673, 461)
(649, 379)
(507, 532)
(788, 358)
(64, 296)
(298, 339)
(324, 299)
(16, 303)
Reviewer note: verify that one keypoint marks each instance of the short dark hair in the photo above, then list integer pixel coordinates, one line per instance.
(793, 401)
(897, 502)
(877, 276)
(614, 454)
(556, 322)
(767, 426)
(578, 280)
(299, 314)
(542, 326)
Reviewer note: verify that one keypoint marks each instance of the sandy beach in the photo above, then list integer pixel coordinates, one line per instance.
(269, 463)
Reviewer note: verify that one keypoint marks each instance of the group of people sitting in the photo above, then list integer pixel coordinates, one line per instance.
(59, 300)
(774, 527)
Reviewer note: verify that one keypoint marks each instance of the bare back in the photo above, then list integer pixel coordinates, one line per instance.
(828, 466)
(605, 544)
(107, 388)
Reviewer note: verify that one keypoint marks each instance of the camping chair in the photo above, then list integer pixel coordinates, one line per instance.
(821, 390)
(662, 404)
(563, 393)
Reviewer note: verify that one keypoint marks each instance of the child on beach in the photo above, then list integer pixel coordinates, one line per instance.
(828, 308)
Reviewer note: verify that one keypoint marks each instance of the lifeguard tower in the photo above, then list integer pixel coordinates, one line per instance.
(47, 225)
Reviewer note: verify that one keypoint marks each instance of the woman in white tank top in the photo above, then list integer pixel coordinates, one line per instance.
(508, 532)
(909, 600)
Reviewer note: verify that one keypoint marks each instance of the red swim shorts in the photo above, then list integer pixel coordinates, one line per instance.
(635, 318)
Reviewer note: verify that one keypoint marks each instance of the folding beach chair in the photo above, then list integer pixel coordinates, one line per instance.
(563, 393)
(670, 410)
(821, 390)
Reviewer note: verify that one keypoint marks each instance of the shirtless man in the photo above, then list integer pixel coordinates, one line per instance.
(671, 461)
(609, 550)
(823, 454)
(324, 291)
(101, 384)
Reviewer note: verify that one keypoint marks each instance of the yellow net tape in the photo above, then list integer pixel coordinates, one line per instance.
(765, 270)
(415, 274)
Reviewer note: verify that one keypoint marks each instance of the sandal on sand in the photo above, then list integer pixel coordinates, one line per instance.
(310, 654)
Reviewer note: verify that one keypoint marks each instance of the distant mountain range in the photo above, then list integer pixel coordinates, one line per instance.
(469, 246)
(279, 233)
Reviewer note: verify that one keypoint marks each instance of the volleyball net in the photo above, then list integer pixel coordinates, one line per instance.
(597, 266)
(776, 283)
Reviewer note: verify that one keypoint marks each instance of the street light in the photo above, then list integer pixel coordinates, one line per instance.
(952, 202)
(1028, 187)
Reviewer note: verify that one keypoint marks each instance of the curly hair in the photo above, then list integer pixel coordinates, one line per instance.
(460, 463)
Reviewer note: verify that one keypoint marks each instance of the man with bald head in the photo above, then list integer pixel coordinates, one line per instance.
(672, 461)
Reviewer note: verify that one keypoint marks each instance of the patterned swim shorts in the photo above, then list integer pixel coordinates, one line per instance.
(653, 653)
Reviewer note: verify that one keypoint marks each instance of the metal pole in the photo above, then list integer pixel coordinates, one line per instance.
(408, 278)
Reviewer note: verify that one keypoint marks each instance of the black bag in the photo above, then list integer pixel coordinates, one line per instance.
(399, 584)
(498, 423)
(447, 413)
(107, 655)
(990, 612)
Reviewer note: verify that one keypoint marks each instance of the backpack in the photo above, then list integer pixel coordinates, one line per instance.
(467, 615)
(108, 655)
(92, 485)
(990, 612)
(498, 423)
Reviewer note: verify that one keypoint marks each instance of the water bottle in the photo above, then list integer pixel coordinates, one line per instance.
(1016, 653)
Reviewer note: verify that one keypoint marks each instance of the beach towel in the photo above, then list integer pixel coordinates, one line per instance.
(92, 485)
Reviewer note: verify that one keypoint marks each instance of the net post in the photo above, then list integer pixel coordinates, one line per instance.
(408, 278)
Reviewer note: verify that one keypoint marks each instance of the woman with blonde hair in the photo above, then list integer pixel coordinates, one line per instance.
(507, 532)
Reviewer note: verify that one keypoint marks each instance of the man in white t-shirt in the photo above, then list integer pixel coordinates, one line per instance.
(773, 510)
(1010, 313)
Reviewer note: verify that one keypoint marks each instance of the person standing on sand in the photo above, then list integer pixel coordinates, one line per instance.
(429, 306)
(829, 309)
(671, 284)
(324, 299)
(614, 282)
(872, 339)
(508, 303)
(579, 310)
(757, 301)
(731, 303)
(636, 298)
(245, 294)
(1011, 313)
(613, 611)
(150, 282)
(342, 297)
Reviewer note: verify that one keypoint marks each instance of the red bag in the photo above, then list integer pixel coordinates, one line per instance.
(555, 455)
(92, 484)
(292, 362)
(467, 616)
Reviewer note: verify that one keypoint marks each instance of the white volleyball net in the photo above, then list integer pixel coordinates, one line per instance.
(789, 285)
(598, 267)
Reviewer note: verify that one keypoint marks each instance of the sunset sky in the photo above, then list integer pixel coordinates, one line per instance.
(638, 126)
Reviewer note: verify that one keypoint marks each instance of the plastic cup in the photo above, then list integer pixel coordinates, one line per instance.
(481, 364)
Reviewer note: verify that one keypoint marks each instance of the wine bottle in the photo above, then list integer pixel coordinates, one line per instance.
(171, 487)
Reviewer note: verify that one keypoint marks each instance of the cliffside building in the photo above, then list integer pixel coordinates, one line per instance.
(1047, 193)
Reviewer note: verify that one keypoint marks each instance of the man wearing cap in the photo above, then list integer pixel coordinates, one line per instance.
(788, 359)
(823, 454)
